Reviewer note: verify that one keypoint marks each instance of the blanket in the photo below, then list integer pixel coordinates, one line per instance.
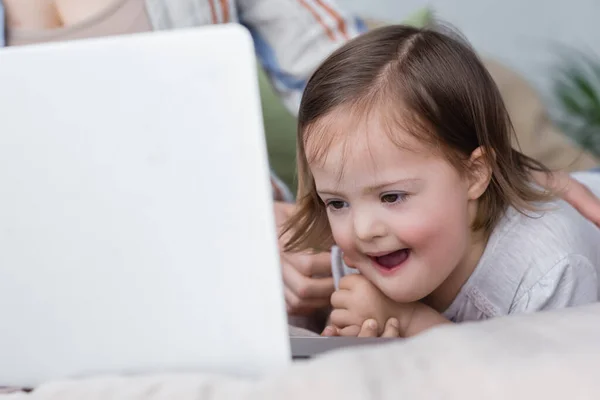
(549, 355)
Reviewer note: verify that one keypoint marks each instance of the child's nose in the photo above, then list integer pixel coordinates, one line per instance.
(368, 227)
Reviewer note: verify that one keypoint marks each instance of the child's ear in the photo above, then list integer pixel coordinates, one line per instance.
(480, 173)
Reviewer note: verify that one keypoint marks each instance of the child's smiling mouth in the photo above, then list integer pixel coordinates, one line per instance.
(388, 263)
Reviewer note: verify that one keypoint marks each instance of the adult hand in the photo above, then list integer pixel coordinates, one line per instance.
(573, 192)
(306, 276)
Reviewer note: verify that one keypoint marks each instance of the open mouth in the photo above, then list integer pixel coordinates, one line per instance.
(391, 261)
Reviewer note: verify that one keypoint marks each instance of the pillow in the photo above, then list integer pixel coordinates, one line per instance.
(280, 125)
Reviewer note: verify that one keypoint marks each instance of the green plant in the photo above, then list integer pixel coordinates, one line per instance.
(577, 93)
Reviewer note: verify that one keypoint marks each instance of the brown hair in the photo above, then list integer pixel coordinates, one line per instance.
(437, 83)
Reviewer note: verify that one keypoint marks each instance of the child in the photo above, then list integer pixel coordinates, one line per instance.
(405, 162)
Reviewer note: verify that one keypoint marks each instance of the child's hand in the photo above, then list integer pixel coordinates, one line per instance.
(369, 328)
(358, 300)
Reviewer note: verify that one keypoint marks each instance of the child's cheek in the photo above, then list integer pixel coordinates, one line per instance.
(344, 240)
(342, 237)
(436, 233)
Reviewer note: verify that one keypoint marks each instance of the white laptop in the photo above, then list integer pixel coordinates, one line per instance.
(136, 226)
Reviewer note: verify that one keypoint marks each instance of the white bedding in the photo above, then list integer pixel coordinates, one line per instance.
(552, 355)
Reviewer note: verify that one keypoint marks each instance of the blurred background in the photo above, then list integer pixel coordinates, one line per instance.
(544, 55)
(522, 34)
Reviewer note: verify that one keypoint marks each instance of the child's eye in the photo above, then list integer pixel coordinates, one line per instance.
(336, 204)
(391, 198)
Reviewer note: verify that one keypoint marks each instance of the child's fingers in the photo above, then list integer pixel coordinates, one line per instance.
(392, 328)
(352, 330)
(330, 331)
(342, 318)
(369, 328)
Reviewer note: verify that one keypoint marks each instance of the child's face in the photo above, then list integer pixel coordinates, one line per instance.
(401, 215)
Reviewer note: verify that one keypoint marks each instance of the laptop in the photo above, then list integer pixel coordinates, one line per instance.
(136, 224)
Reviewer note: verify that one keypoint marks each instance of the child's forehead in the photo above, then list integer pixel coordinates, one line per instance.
(343, 138)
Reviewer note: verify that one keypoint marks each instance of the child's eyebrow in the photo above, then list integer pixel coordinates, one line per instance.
(405, 182)
(379, 186)
(328, 192)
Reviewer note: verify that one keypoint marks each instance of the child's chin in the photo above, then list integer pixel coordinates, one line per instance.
(403, 298)
(400, 296)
